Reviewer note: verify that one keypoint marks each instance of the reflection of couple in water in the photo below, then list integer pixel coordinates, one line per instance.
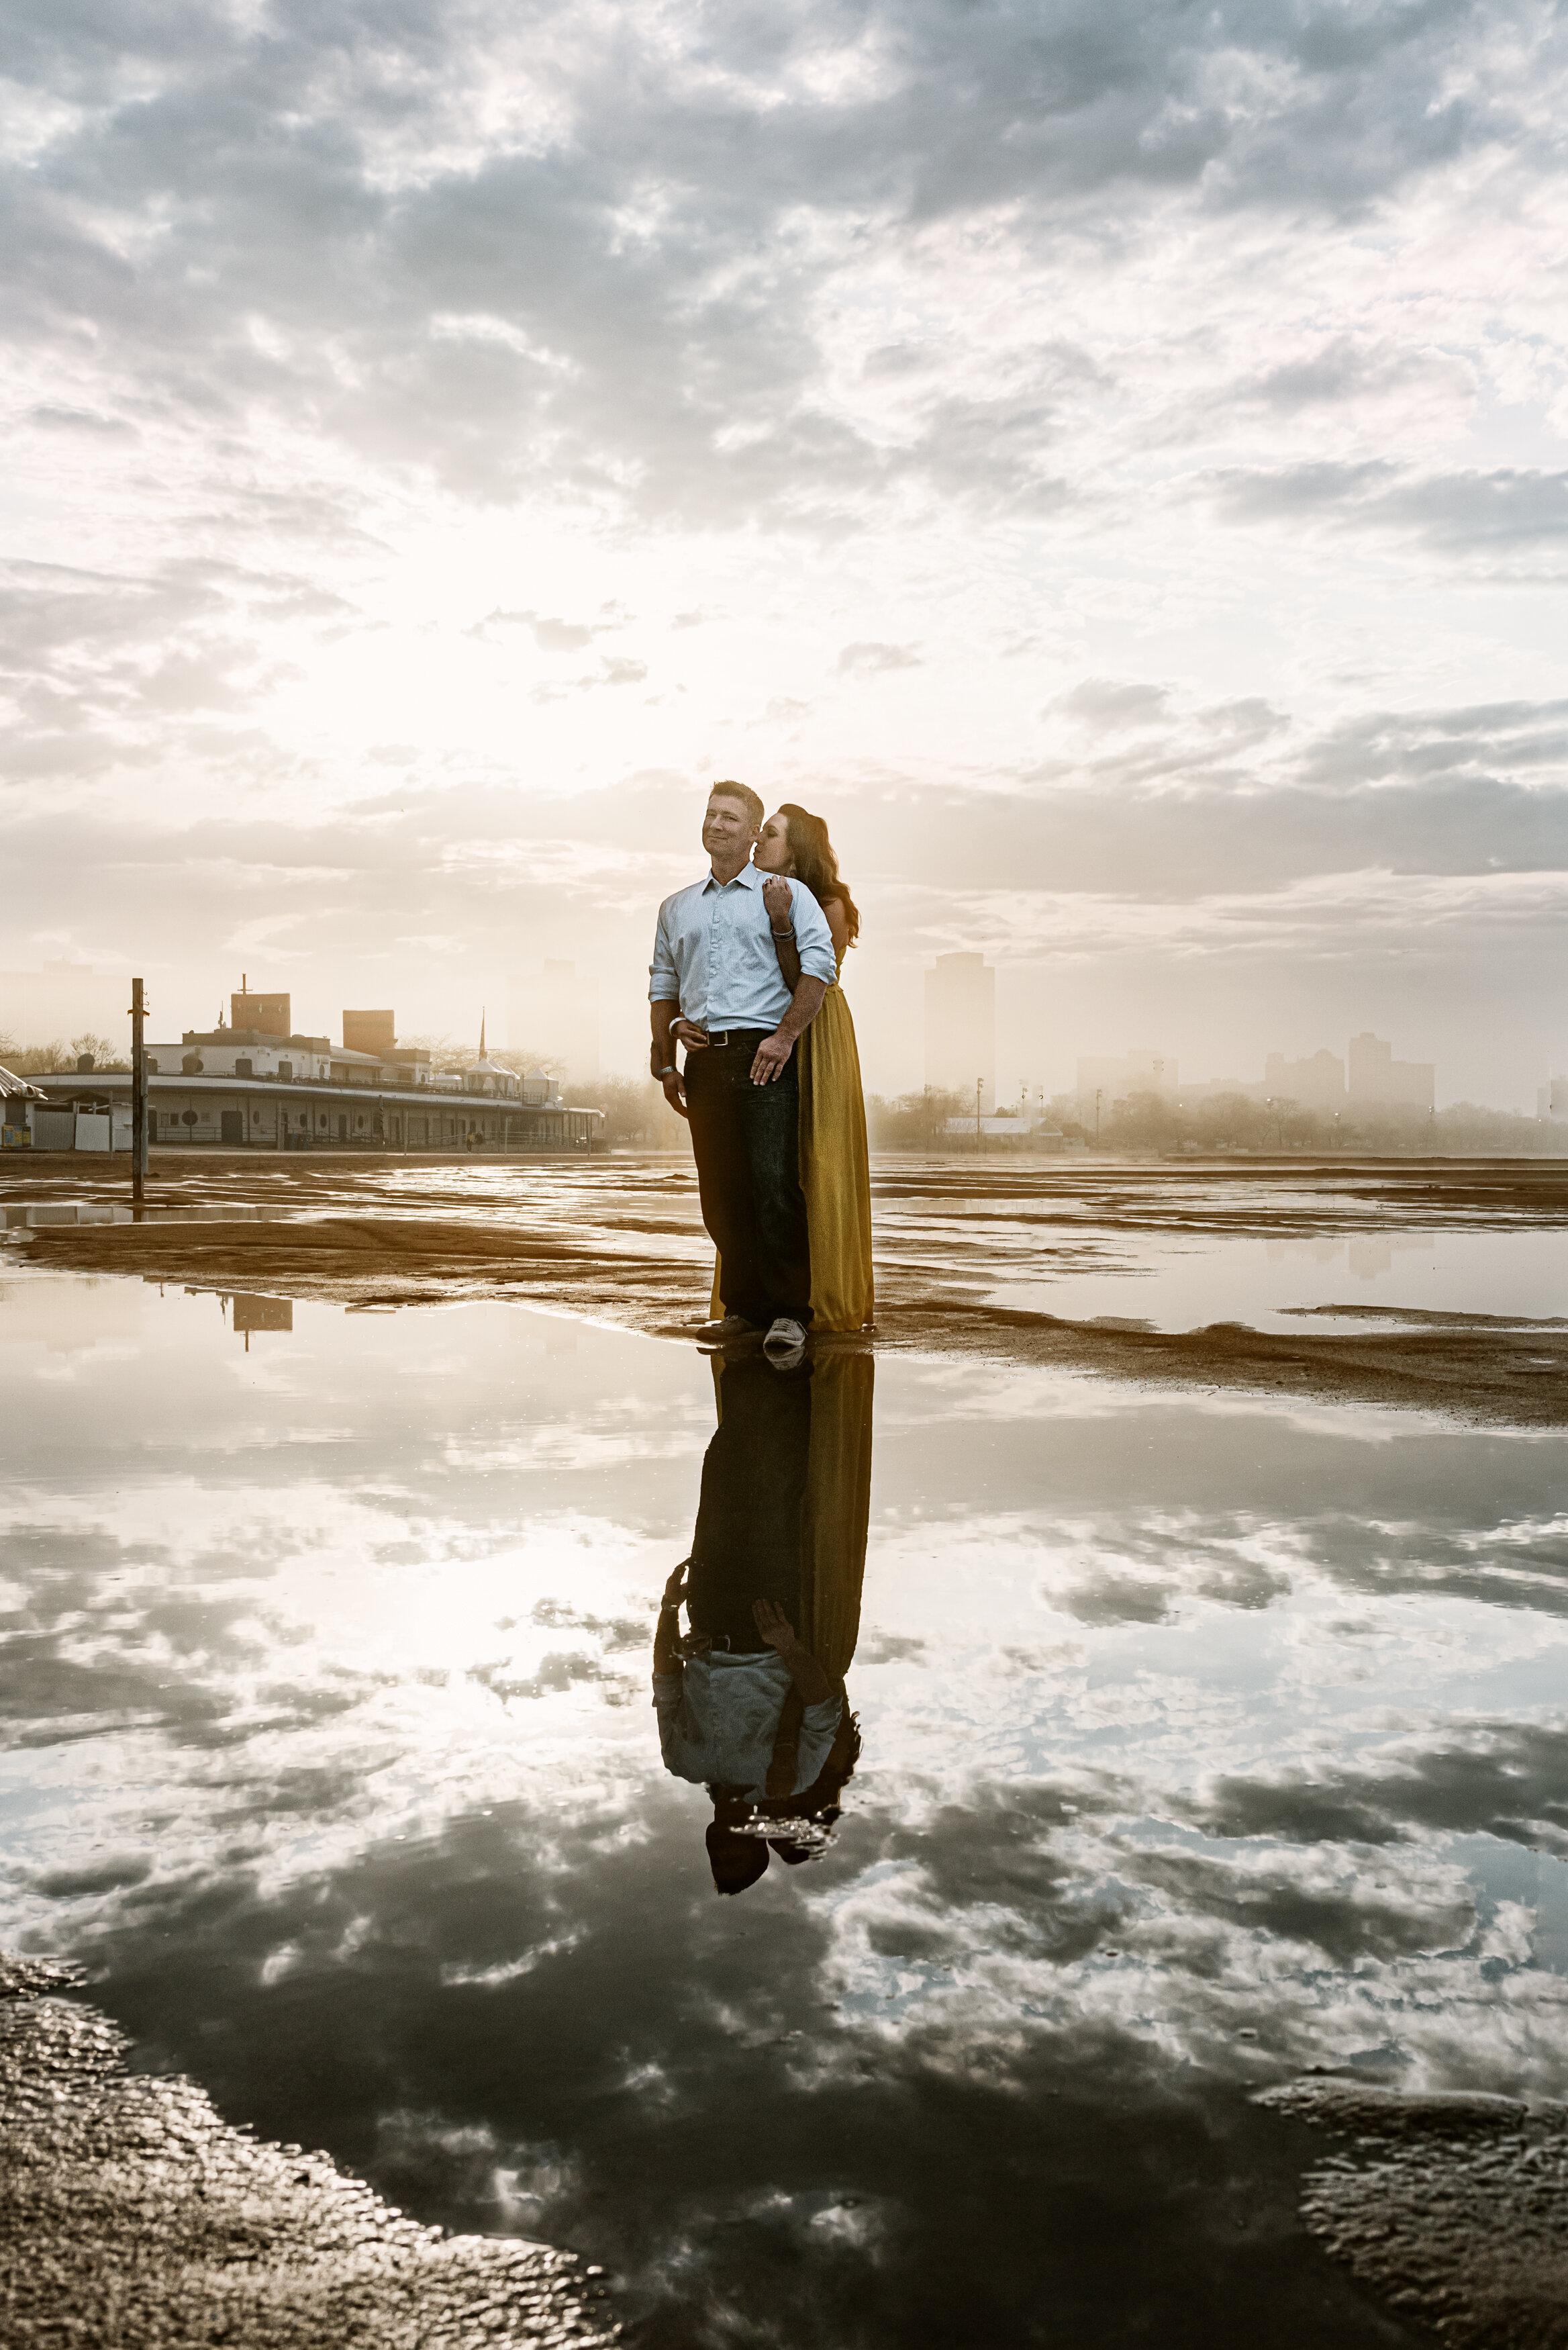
(744, 981)
(751, 1702)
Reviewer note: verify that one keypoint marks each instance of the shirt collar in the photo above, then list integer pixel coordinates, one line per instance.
(748, 875)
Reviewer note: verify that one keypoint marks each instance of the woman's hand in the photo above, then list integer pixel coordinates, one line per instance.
(675, 1590)
(779, 900)
(773, 1624)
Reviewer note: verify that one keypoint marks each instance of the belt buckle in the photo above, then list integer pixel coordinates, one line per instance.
(720, 1037)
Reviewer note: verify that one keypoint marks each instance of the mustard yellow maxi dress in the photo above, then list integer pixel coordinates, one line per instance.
(834, 1523)
(835, 1170)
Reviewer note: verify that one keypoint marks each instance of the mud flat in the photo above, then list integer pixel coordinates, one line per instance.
(1450, 2209)
(130, 2214)
(619, 1240)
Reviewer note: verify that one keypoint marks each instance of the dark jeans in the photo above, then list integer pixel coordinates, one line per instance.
(746, 1141)
(747, 1542)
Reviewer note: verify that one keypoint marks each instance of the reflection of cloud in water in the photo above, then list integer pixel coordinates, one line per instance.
(1201, 1745)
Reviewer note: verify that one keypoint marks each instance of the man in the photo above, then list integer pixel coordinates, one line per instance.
(744, 1708)
(716, 987)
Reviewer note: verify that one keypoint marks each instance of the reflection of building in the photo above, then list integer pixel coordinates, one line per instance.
(1376, 1076)
(1117, 1077)
(261, 1313)
(553, 1015)
(960, 1025)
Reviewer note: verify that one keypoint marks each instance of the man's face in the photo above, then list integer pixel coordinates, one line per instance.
(727, 832)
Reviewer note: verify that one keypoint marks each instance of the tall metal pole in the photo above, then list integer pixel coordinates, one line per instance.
(977, 1084)
(137, 1092)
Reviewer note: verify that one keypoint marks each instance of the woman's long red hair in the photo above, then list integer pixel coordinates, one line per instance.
(811, 853)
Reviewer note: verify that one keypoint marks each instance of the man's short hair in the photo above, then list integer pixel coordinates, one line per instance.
(755, 809)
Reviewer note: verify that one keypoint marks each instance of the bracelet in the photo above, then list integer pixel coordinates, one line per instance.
(784, 934)
(669, 1070)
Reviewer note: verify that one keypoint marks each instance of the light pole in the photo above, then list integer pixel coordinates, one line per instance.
(978, 1085)
(137, 1091)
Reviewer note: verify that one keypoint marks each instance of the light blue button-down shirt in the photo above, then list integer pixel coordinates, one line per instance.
(714, 950)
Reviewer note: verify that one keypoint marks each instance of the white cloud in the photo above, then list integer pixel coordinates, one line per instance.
(1136, 402)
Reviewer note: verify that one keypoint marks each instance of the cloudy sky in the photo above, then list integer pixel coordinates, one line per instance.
(1112, 461)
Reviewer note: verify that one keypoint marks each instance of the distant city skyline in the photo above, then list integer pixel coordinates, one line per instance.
(62, 998)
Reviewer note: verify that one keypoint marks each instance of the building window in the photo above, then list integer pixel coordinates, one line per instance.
(242, 1068)
(285, 1071)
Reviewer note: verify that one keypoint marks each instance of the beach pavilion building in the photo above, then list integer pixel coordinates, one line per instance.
(266, 1088)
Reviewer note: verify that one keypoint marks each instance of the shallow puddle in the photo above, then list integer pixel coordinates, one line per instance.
(1269, 1285)
(36, 1215)
(1199, 1744)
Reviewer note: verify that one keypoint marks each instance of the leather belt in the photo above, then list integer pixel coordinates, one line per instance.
(721, 1036)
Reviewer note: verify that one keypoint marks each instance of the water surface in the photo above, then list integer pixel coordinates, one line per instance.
(1201, 1743)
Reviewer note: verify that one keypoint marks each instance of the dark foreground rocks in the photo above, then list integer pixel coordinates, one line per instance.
(132, 2216)
(1451, 2207)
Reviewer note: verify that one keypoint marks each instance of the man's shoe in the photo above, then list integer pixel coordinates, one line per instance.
(733, 1325)
(785, 1342)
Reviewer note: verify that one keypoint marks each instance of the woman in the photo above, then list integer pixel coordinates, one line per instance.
(834, 1169)
(780, 1542)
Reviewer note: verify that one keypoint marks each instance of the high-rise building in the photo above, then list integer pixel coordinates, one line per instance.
(1316, 1083)
(553, 1015)
(961, 1027)
(1376, 1076)
(1115, 1076)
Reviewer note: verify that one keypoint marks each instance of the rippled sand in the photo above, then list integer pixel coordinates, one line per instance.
(958, 1247)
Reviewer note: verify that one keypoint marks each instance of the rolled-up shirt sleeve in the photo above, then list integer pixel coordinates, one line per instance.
(663, 979)
(814, 939)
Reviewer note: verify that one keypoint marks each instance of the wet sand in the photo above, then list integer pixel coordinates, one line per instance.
(1450, 2207)
(619, 1240)
(130, 2214)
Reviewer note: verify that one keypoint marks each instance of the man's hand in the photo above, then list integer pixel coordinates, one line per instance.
(779, 900)
(773, 1624)
(684, 1032)
(675, 1590)
(675, 1093)
(772, 1058)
